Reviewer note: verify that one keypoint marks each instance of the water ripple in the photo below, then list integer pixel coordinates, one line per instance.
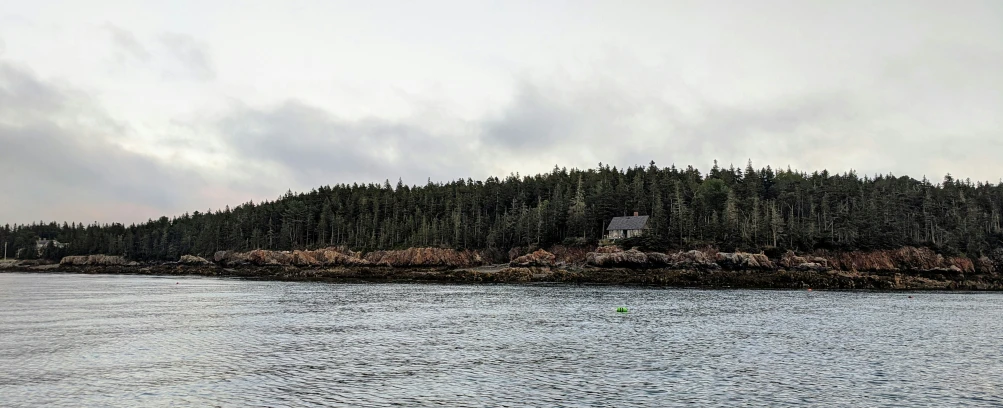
(74, 340)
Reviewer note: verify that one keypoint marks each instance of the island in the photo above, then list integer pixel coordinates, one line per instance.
(644, 225)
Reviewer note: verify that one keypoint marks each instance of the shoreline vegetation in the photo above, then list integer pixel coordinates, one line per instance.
(728, 227)
(906, 268)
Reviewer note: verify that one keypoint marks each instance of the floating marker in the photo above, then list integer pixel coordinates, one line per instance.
(621, 310)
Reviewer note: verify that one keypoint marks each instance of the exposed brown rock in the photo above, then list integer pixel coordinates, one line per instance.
(692, 260)
(262, 257)
(902, 259)
(631, 258)
(339, 257)
(538, 258)
(570, 255)
(790, 261)
(764, 260)
(743, 261)
(193, 260)
(230, 258)
(9, 263)
(810, 266)
(517, 274)
(658, 259)
(964, 264)
(93, 260)
(985, 265)
(332, 256)
(425, 257)
(305, 258)
(74, 260)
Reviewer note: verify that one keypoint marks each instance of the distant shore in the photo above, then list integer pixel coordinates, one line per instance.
(906, 268)
(716, 279)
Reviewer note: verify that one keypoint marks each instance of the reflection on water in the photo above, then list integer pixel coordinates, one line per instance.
(72, 340)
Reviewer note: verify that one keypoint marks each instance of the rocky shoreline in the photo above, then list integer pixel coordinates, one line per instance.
(717, 279)
(904, 269)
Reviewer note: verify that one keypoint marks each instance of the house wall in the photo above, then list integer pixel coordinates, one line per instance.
(620, 234)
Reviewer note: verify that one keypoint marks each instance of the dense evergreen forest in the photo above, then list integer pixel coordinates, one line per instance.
(732, 209)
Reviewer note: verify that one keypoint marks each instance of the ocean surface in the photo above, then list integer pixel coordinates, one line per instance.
(94, 340)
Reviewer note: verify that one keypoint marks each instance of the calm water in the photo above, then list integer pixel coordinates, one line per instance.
(73, 340)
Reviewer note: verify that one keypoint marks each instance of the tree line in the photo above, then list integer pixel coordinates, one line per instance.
(729, 208)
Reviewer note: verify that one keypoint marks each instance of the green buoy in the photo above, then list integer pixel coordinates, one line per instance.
(621, 310)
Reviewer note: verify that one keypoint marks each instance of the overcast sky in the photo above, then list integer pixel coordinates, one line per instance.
(123, 111)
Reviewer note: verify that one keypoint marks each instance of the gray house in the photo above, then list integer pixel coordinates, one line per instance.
(627, 227)
(42, 243)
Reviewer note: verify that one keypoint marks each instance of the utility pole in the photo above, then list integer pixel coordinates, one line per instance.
(5, 250)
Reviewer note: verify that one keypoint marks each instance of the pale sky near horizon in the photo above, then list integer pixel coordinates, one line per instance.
(123, 111)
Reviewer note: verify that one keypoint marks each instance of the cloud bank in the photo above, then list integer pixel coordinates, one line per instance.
(176, 114)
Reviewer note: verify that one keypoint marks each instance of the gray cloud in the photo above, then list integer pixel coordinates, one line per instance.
(907, 87)
(299, 146)
(917, 112)
(62, 167)
(535, 119)
(315, 147)
(191, 54)
(600, 115)
(127, 44)
(24, 97)
(627, 126)
(554, 122)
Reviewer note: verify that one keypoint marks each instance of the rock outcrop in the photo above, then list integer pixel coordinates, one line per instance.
(743, 261)
(93, 260)
(315, 258)
(425, 257)
(327, 257)
(693, 259)
(570, 255)
(985, 265)
(803, 263)
(613, 257)
(659, 260)
(517, 274)
(262, 257)
(231, 258)
(902, 259)
(810, 266)
(630, 258)
(193, 260)
(9, 263)
(540, 258)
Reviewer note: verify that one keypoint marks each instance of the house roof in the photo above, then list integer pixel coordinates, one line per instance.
(628, 223)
